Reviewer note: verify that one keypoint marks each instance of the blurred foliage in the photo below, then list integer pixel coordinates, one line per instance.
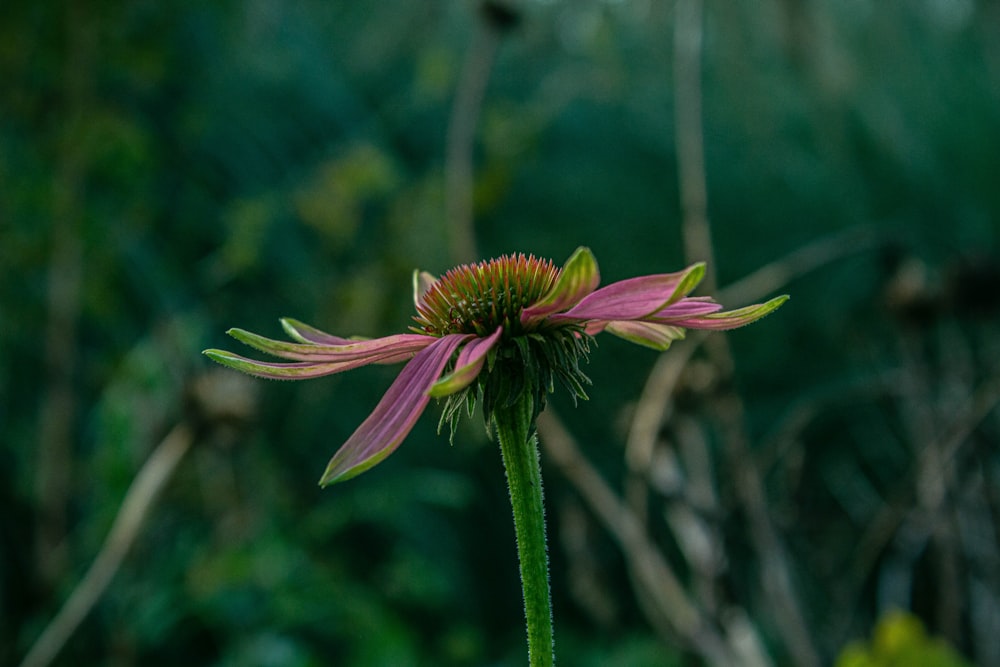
(900, 640)
(171, 169)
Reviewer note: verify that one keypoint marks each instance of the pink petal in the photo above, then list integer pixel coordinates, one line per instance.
(291, 371)
(649, 334)
(635, 298)
(393, 418)
(594, 327)
(685, 308)
(467, 367)
(733, 318)
(578, 278)
(397, 345)
(304, 333)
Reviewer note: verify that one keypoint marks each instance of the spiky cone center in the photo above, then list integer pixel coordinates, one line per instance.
(479, 298)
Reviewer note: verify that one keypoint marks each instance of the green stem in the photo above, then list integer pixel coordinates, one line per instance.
(519, 446)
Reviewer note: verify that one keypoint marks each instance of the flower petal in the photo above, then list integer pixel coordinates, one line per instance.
(684, 309)
(733, 318)
(422, 283)
(398, 345)
(470, 362)
(304, 333)
(635, 298)
(578, 278)
(287, 371)
(649, 334)
(393, 418)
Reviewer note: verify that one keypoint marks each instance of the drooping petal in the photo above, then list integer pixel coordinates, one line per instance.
(732, 319)
(304, 333)
(649, 334)
(467, 366)
(635, 298)
(422, 283)
(396, 345)
(288, 371)
(307, 334)
(393, 418)
(578, 278)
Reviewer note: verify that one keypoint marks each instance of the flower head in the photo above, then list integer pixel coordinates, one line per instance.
(488, 332)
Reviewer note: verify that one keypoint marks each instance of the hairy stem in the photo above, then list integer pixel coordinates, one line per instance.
(519, 447)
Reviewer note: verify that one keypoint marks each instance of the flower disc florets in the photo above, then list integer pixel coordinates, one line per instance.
(479, 298)
(488, 296)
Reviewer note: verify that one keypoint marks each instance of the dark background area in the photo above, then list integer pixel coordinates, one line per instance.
(172, 169)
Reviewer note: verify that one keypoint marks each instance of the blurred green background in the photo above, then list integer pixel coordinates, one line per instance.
(171, 169)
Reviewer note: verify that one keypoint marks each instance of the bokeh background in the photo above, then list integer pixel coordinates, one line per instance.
(765, 497)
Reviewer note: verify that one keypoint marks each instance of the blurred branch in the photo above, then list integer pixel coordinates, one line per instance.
(935, 483)
(691, 516)
(219, 403)
(729, 408)
(773, 563)
(651, 412)
(784, 434)
(667, 605)
(654, 406)
(141, 496)
(461, 138)
(695, 231)
(920, 488)
(885, 524)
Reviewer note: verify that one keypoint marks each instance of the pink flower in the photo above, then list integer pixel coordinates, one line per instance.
(488, 332)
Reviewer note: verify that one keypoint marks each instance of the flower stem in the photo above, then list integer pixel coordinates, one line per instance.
(519, 445)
